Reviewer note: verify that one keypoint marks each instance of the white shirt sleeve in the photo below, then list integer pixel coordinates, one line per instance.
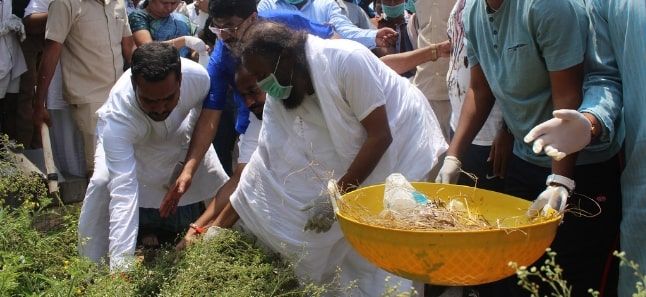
(124, 192)
(347, 29)
(361, 84)
(248, 142)
(37, 6)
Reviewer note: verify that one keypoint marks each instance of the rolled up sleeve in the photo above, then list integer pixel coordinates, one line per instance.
(348, 30)
(602, 85)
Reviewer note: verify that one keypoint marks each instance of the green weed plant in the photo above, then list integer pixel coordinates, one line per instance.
(39, 257)
(550, 275)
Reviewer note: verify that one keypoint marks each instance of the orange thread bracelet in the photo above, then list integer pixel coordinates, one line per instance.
(198, 229)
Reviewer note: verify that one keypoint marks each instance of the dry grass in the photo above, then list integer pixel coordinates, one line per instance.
(436, 215)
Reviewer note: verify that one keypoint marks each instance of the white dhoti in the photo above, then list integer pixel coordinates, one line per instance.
(300, 149)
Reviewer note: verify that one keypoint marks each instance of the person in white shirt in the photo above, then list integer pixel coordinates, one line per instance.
(329, 12)
(487, 155)
(12, 66)
(143, 132)
(355, 14)
(333, 111)
(198, 12)
(67, 141)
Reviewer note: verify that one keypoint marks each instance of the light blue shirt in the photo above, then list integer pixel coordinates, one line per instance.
(326, 12)
(517, 47)
(617, 65)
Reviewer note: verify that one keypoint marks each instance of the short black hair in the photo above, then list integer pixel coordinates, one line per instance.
(154, 61)
(206, 35)
(228, 8)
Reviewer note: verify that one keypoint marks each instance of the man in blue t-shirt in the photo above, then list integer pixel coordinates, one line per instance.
(528, 56)
(231, 18)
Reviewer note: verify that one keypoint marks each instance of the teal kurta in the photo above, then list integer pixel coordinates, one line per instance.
(618, 46)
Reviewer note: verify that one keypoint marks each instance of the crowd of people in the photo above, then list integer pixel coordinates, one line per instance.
(191, 116)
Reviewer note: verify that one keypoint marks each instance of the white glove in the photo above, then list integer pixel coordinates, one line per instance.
(195, 44)
(321, 211)
(450, 171)
(568, 132)
(554, 197)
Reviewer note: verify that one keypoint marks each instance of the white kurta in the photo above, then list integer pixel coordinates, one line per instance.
(197, 18)
(459, 76)
(300, 149)
(12, 61)
(248, 142)
(134, 161)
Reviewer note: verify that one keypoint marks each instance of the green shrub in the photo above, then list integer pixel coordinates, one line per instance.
(38, 255)
(230, 265)
(640, 289)
(16, 187)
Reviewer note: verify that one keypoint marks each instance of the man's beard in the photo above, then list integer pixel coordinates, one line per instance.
(258, 115)
(294, 100)
(256, 109)
(158, 117)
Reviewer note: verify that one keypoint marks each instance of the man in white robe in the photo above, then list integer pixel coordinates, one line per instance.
(337, 104)
(143, 134)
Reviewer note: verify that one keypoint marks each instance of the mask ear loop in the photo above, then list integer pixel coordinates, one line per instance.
(277, 62)
(291, 76)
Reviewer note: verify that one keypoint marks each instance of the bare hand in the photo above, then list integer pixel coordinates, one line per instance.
(501, 150)
(169, 204)
(386, 37)
(40, 116)
(444, 49)
(187, 240)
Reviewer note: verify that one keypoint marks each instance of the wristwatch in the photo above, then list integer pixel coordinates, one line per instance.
(559, 180)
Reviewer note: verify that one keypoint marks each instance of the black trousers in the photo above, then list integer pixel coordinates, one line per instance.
(584, 244)
(475, 161)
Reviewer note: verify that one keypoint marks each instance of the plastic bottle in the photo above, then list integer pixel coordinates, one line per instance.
(399, 194)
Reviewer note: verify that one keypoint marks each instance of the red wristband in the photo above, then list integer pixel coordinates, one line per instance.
(198, 229)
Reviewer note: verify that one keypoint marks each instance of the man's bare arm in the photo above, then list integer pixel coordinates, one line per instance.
(475, 110)
(566, 94)
(51, 55)
(407, 61)
(203, 135)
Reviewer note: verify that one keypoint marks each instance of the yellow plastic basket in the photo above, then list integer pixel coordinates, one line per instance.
(451, 258)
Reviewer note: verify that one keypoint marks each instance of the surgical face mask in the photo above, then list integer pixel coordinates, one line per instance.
(273, 88)
(410, 5)
(392, 12)
(294, 2)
